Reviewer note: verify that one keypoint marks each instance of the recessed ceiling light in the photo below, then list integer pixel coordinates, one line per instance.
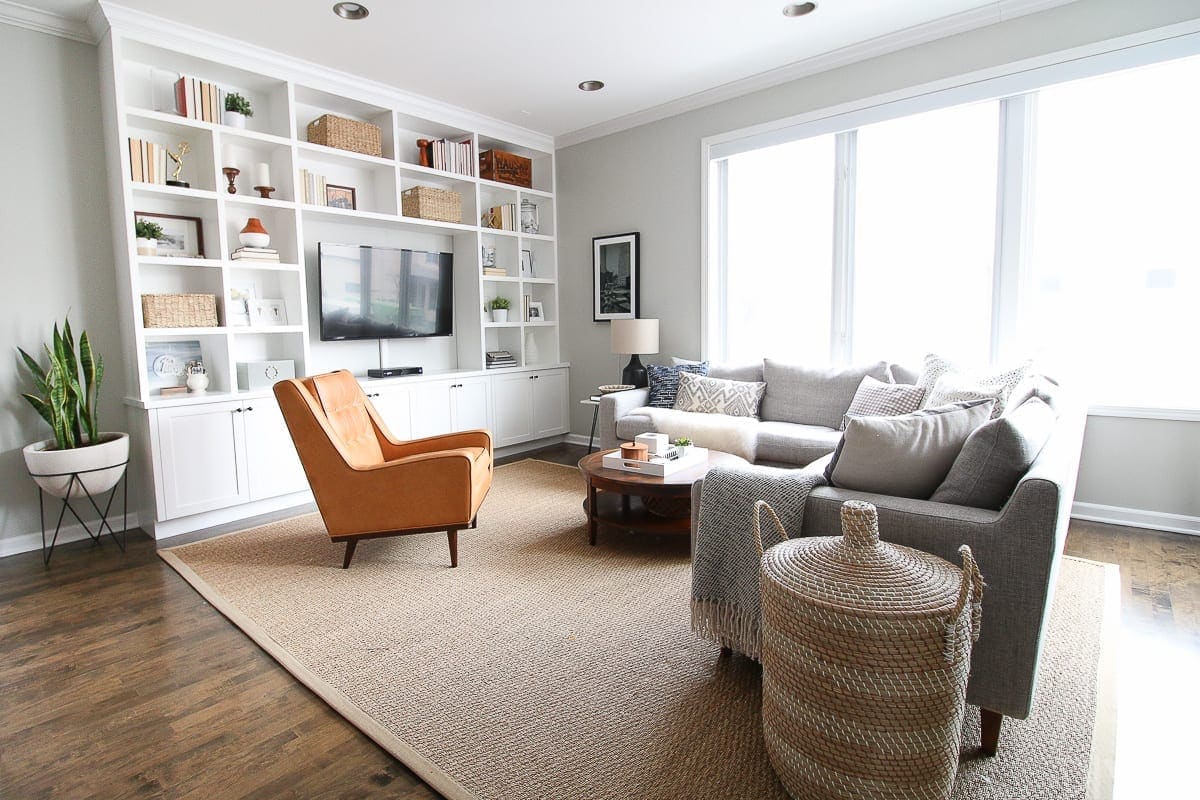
(350, 10)
(799, 9)
(591, 86)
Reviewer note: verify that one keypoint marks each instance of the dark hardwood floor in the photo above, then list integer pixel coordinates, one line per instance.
(118, 680)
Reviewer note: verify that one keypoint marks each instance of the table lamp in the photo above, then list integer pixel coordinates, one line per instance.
(635, 337)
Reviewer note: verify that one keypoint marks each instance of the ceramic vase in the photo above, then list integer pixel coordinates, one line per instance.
(99, 465)
(499, 315)
(197, 383)
(235, 120)
(147, 247)
(254, 234)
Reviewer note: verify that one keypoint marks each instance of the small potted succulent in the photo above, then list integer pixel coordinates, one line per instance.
(147, 233)
(683, 445)
(500, 309)
(237, 109)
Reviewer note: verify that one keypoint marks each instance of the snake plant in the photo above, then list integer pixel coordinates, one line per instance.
(67, 392)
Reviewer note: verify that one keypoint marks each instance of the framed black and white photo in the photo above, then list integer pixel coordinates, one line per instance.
(183, 237)
(615, 276)
(536, 312)
(527, 263)
(341, 197)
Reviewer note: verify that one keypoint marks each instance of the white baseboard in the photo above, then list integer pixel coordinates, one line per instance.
(578, 438)
(24, 542)
(1137, 518)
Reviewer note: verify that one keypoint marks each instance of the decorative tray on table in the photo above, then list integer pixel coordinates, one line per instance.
(660, 467)
(609, 388)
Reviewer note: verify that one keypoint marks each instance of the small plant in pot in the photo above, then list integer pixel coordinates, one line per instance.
(65, 395)
(237, 109)
(682, 445)
(147, 233)
(500, 309)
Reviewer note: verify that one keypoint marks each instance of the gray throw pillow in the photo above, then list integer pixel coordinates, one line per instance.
(996, 456)
(664, 381)
(715, 396)
(904, 456)
(811, 396)
(878, 399)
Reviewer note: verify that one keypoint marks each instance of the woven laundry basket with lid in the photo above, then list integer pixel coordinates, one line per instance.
(866, 647)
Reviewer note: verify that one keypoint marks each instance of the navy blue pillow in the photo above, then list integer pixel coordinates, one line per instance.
(664, 381)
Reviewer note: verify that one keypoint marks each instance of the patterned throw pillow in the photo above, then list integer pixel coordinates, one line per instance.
(664, 381)
(875, 398)
(946, 382)
(717, 396)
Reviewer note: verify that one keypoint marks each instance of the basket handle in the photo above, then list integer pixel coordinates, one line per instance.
(971, 591)
(759, 505)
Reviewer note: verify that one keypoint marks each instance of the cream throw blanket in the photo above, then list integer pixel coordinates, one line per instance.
(713, 431)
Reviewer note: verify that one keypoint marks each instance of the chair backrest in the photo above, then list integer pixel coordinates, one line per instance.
(344, 406)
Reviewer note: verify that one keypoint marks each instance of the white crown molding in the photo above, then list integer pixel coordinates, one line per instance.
(952, 25)
(211, 46)
(35, 19)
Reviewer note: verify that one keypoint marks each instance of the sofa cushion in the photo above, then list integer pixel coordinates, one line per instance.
(664, 381)
(789, 443)
(904, 456)
(996, 455)
(813, 396)
(633, 424)
(729, 372)
(945, 381)
(715, 396)
(878, 399)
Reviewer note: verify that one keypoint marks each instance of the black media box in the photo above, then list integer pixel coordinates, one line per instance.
(393, 372)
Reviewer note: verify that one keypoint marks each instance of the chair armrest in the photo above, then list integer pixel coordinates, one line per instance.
(394, 449)
(615, 405)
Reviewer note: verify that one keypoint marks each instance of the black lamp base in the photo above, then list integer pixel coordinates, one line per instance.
(634, 373)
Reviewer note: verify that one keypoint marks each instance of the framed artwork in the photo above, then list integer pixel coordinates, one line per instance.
(183, 237)
(536, 312)
(615, 274)
(240, 306)
(166, 363)
(340, 197)
(270, 312)
(527, 263)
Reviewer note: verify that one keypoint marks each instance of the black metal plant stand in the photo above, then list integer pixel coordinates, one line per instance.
(103, 524)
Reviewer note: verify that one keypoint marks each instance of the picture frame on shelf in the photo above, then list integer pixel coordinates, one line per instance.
(270, 313)
(527, 264)
(166, 364)
(341, 197)
(183, 236)
(529, 217)
(535, 312)
(240, 306)
(616, 274)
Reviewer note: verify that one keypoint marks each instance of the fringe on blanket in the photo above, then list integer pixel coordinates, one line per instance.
(727, 625)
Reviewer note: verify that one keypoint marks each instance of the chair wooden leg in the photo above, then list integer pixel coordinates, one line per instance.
(475, 522)
(989, 725)
(453, 537)
(350, 545)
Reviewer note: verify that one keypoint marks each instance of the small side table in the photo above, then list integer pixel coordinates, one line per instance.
(594, 402)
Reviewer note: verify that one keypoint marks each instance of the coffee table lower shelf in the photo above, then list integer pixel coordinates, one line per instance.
(629, 513)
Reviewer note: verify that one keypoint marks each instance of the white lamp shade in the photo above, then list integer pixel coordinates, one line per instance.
(635, 336)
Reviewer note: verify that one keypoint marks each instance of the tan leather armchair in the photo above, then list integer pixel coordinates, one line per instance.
(368, 484)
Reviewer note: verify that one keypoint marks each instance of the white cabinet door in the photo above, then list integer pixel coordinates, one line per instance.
(200, 461)
(469, 400)
(549, 403)
(513, 402)
(272, 466)
(431, 403)
(395, 406)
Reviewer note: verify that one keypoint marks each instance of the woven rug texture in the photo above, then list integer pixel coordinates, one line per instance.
(545, 668)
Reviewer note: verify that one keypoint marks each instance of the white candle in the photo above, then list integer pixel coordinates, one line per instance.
(264, 175)
(227, 156)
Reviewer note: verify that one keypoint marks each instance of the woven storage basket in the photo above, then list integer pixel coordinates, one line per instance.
(346, 134)
(430, 202)
(866, 647)
(179, 310)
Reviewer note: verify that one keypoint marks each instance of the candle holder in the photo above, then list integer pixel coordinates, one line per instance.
(230, 174)
(264, 191)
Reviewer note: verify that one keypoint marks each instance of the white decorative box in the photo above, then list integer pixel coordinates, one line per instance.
(252, 375)
(659, 467)
(657, 444)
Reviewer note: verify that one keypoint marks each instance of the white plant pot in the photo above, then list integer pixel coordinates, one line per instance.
(108, 457)
(197, 383)
(499, 315)
(147, 247)
(235, 120)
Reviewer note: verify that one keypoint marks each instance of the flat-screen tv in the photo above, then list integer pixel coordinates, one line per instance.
(384, 292)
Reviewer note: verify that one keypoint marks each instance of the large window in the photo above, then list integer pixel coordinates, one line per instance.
(1061, 224)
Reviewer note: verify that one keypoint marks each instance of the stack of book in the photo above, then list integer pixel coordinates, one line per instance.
(502, 217)
(497, 359)
(447, 156)
(197, 99)
(312, 188)
(147, 161)
(495, 272)
(261, 254)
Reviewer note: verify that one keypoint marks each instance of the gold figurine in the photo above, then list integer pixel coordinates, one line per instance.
(184, 148)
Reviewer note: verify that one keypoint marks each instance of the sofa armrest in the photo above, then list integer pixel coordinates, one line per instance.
(614, 406)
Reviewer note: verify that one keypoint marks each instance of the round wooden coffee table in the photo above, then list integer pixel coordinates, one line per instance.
(611, 491)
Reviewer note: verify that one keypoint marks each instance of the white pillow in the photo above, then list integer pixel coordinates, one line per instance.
(945, 382)
(716, 396)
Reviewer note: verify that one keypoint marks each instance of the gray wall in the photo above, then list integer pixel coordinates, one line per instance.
(648, 179)
(57, 253)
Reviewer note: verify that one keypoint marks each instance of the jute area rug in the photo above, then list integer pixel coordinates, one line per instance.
(545, 668)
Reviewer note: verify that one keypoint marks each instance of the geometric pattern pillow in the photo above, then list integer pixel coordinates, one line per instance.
(968, 384)
(875, 398)
(664, 381)
(716, 396)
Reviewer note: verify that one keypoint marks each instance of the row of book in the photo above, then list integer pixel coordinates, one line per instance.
(495, 272)
(502, 217)
(447, 156)
(312, 188)
(147, 161)
(197, 99)
(498, 359)
(260, 254)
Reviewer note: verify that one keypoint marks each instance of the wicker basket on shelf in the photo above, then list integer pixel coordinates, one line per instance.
(430, 202)
(346, 134)
(179, 310)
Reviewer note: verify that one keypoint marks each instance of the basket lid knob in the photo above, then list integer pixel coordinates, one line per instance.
(860, 524)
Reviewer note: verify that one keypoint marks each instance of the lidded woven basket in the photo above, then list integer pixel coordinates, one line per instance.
(866, 648)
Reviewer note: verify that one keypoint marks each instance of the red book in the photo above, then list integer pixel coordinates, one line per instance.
(181, 105)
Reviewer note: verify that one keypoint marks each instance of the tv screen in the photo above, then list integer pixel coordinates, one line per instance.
(384, 292)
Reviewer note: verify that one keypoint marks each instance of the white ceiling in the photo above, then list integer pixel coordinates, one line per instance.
(520, 60)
